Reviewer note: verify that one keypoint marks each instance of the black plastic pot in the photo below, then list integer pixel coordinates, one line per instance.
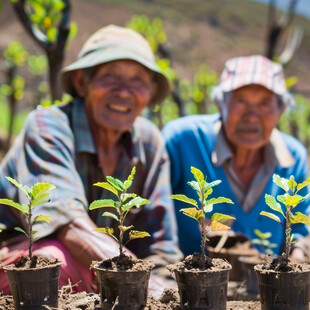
(283, 290)
(34, 288)
(122, 290)
(202, 289)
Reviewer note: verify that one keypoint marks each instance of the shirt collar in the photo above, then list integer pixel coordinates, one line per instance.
(84, 142)
(276, 151)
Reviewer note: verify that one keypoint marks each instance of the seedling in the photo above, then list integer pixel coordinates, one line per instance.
(198, 212)
(264, 244)
(37, 195)
(124, 203)
(290, 200)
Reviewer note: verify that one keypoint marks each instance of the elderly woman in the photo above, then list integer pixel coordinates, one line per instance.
(98, 134)
(240, 146)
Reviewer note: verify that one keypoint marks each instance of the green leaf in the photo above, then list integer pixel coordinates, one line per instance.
(299, 217)
(134, 234)
(118, 184)
(129, 180)
(21, 230)
(194, 185)
(44, 218)
(207, 207)
(262, 235)
(125, 228)
(292, 200)
(25, 189)
(108, 187)
(126, 196)
(272, 216)
(193, 213)
(23, 208)
(208, 186)
(292, 184)
(185, 199)
(106, 230)
(214, 201)
(272, 203)
(40, 193)
(34, 232)
(281, 182)
(303, 184)
(217, 219)
(198, 175)
(110, 214)
(102, 203)
(136, 202)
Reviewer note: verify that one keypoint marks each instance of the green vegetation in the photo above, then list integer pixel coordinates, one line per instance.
(124, 203)
(264, 244)
(198, 212)
(37, 195)
(290, 200)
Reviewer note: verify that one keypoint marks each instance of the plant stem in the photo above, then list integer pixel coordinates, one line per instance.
(203, 229)
(30, 231)
(203, 240)
(288, 234)
(121, 233)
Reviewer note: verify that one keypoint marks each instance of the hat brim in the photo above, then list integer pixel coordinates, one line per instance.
(104, 56)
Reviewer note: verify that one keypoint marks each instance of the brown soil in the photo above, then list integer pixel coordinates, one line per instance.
(25, 263)
(124, 262)
(83, 301)
(282, 265)
(195, 262)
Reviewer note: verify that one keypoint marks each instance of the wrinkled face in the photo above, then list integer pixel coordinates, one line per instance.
(116, 93)
(249, 116)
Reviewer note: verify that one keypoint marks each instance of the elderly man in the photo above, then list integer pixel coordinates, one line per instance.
(240, 146)
(98, 134)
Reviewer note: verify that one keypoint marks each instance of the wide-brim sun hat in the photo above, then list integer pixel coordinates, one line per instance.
(112, 43)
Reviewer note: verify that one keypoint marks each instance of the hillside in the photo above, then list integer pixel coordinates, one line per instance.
(199, 31)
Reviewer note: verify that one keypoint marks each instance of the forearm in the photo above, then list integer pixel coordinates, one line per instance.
(87, 245)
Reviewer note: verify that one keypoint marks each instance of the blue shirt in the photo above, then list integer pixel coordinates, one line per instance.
(190, 142)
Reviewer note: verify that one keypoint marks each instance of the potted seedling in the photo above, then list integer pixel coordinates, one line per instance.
(202, 281)
(283, 284)
(123, 280)
(248, 262)
(33, 280)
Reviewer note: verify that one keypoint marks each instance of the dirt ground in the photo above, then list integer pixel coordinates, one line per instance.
(84, 301)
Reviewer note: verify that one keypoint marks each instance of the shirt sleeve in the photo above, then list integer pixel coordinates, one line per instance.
(44, 152)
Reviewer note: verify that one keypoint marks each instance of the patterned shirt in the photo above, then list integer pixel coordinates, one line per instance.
(56, 146)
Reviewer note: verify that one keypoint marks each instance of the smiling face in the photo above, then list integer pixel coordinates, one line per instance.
(249, 115)
(115, 94)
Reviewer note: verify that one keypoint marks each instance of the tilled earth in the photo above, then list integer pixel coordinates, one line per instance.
(88, 301)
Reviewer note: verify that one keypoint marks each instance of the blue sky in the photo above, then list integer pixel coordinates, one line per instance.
(303, 6)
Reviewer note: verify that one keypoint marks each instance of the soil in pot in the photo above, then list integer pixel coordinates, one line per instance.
(233, 247)
(284, 285)
(34, 282)
(123, 282)
(202, 287)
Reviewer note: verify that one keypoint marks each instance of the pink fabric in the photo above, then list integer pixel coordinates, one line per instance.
(81, 277)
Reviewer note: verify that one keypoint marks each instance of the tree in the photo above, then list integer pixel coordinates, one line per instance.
(48, 23)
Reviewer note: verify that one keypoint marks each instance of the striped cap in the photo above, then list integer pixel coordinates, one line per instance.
(256, 69)
(115, 43)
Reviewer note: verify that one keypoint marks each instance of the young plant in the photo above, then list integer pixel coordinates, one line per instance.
(198, 212)
(262, 240)
(124, 203)
(290, 200)
(37, 195)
